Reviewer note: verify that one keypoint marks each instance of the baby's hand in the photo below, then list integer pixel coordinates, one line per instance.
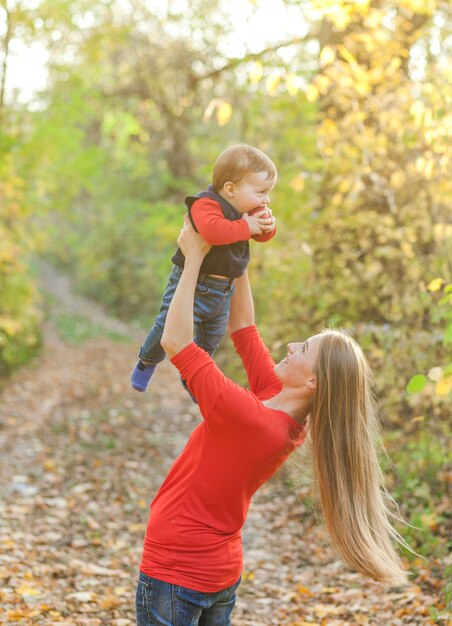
(260, 220)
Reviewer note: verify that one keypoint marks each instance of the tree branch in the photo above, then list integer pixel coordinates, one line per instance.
(235, 62)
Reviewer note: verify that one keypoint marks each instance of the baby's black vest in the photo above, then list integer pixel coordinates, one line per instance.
(230, 260)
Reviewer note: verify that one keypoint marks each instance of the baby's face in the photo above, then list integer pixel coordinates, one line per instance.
(251, 192)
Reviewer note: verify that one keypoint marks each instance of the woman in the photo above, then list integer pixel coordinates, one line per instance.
(192, 555)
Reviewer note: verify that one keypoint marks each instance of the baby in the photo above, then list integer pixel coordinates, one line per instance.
(230, 212)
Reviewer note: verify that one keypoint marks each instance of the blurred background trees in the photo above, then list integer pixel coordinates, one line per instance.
(355, 110)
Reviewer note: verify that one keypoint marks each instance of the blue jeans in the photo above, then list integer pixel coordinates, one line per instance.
(163, 604)
(211, 312)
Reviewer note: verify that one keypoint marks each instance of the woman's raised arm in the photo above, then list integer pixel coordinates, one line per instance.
(178, 331)
(242, 306)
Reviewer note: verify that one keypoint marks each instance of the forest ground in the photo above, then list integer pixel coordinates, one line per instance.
(81, 456)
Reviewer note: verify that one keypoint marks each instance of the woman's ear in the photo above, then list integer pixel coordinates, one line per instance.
(311, 383)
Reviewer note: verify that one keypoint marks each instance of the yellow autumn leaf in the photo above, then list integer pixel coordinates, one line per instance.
(420, 164)
(444, 386)
(17, 615)
(428, 170)
(137, 528)
(109, 602)
(407, 249)
(224, 113)
(210, 108)
(304, 590)
(49, 465)
(345, 185)
(398, 179)
(442, 231)
(27, 590)
(328, 128)
(322, 610)
(374, 18)
(376, 75)
(429, 519)
(272, 83)
(322, 82)
(256, 72)
(297, 183)
(292, 84)
(417, 111)
(312, 93)
(394, 65)
(346, 54)
(9, 326)
(327, 56)
(363, 88)
(423, 7)
(339, 17)
(435, 284)
(330, 589)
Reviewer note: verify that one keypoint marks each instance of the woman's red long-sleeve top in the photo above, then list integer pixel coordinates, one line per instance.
(193, 537)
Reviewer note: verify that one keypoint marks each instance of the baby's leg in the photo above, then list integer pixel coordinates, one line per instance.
(151, 352)
(211, 318)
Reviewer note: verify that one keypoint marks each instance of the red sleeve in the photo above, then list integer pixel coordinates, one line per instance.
(214, 227)
(257, 362)
(265, 236)
(208, 383)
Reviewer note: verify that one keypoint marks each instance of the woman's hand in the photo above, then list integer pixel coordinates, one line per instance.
(190, 242)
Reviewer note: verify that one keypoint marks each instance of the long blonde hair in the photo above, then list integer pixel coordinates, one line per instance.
(344, 431)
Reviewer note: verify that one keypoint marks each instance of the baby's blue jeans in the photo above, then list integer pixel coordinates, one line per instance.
(163, 604)
(211, 312)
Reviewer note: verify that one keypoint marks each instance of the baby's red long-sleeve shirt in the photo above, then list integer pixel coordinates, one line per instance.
(193, 537)
(219, 231)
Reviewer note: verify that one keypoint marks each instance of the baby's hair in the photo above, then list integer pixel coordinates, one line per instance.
(236, 162)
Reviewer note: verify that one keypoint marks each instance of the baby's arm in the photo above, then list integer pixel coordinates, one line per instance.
(219, 231)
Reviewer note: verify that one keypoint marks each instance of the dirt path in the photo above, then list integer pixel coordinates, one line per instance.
(81, 455)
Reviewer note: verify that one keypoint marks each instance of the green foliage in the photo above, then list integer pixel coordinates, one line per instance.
(19, 316)
(416, 383)
(431, 391)
(420, 468)
(78, 329)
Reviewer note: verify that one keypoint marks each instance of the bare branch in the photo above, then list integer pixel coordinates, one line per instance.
(235, 62)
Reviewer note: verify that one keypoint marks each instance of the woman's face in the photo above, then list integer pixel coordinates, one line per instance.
(297, 368)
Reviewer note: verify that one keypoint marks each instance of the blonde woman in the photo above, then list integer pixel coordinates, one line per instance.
(192, 556)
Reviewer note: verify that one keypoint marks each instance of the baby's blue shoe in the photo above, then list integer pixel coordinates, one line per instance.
(141, 375)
